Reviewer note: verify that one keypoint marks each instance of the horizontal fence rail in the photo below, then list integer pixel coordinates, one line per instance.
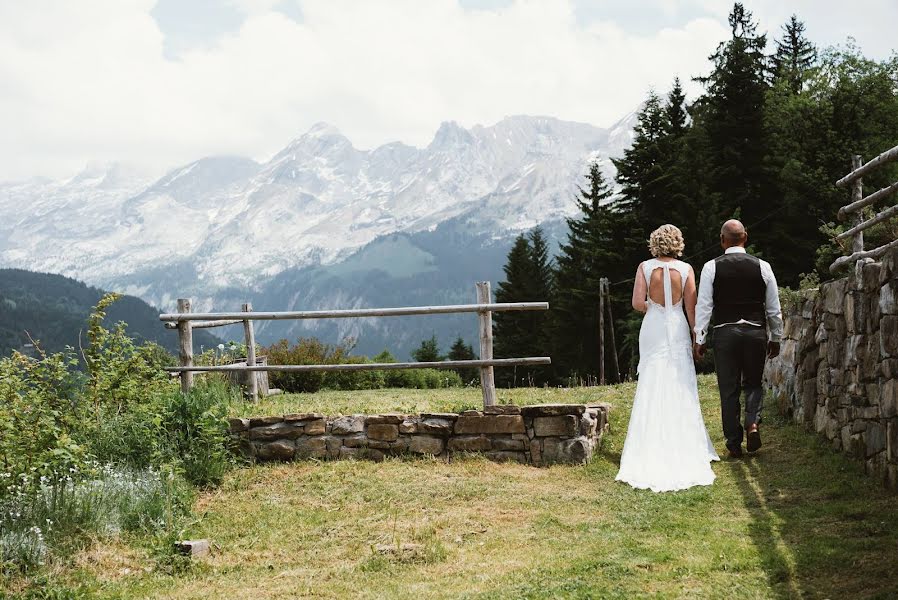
(855, 208)
(443, 364)
(185, 321)
(239, 317)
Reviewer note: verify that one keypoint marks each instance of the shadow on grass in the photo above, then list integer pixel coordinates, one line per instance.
(821, 527)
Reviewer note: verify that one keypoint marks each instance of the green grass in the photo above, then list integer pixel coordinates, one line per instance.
(796, 521)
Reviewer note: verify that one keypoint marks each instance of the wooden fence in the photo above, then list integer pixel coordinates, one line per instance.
(185, 321)
(858, 203)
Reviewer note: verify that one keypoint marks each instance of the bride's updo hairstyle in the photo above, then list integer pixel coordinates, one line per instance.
(667, 241)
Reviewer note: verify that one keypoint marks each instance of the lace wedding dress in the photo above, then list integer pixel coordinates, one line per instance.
(667, 446)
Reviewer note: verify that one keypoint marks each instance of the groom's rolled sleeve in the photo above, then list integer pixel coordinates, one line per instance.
(705, 305)
(772, 304)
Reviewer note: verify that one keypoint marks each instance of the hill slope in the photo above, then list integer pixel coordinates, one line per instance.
(53, 310)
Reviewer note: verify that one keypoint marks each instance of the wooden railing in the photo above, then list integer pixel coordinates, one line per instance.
(185, 321)
(858, 203)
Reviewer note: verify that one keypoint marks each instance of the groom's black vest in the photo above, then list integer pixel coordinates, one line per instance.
(739, 289)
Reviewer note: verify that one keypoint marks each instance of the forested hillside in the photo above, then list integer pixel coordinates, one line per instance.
(53, 310)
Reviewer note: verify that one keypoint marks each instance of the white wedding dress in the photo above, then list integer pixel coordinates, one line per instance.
(667, 446)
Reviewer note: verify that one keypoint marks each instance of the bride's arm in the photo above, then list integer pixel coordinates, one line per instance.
(690, 297)
(640, 291)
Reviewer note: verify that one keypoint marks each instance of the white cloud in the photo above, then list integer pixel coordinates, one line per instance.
(89, 80)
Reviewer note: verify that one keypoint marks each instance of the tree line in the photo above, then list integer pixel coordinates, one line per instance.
(774, 128)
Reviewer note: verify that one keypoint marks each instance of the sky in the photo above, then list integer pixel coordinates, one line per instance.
(159, 83)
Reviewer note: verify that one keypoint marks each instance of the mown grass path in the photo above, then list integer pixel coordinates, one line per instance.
(796, 521)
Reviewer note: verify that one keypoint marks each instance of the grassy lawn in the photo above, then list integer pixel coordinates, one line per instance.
(795, 521)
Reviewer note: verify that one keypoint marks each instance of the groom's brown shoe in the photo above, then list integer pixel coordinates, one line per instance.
(735, 452)
(753, 444)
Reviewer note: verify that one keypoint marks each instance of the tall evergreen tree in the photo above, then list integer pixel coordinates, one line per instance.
(595, 248)
(675, 113)
(732, 111)
(428, 351)
(794, 56)
(528, 278)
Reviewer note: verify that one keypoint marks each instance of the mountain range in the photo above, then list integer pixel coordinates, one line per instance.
(321, 224)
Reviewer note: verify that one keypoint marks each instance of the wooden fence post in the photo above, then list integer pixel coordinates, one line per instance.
(602, 331)
(857, 193)
(487, 382)
(617, 373)
(185, 345)
(252, 384)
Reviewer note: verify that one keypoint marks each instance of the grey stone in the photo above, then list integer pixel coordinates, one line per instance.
(409, 425)
(536, 455)
(888, 368)
(470, 413)
(564, 425)
(507, 445)
(551, 410)
(193, 548)
(303, 416)
(870, 276)
(834, 294)
(379, 445)
(237, 425)
(876, 438)
(551, 450)
(276, 431)
(892, 440)
(356, 440)
(435, 425)
(888, 298)
(316, 427)
(333, 445)
(576, 451)
(490, 424)
(469, 443)
(385, 419)
(888, 335)
(387, 432)
(373, 454)
(311, 447)
(401, 445)
(277, 450)
(426, 444)
(260, 421)
(350, 424)
(888, 398)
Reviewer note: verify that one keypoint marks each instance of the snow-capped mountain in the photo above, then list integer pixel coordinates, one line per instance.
(224, 226)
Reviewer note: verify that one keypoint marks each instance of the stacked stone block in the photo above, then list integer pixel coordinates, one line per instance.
(838, 369)
(539, 435)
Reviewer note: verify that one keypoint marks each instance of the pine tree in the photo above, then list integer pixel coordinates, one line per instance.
(794, 56)
(732, 113)
(675, 113)
(428, 351)
(462, 351)
(595, 248)
(528, 278)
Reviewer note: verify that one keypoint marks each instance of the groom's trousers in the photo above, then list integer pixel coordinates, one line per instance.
(739, 355)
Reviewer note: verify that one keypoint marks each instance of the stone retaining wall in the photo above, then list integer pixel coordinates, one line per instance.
(838, 369)
(539, 435)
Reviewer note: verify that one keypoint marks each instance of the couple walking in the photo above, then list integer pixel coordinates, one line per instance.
(667, 446)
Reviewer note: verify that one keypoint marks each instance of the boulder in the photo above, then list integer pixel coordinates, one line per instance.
(387, 432)
(277, 450)
(276, 431)
(311, 447)
(552, 410)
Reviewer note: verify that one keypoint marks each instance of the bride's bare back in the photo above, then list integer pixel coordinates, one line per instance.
(656, 286)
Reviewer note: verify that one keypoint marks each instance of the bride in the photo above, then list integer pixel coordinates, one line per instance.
(667, 446)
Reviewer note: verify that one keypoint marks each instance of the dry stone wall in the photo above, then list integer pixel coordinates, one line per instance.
(540, 435)
(838, 369)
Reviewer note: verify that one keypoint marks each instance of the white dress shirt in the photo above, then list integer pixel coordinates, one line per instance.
(705, 305)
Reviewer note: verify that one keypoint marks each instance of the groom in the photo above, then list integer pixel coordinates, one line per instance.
(739, 293)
